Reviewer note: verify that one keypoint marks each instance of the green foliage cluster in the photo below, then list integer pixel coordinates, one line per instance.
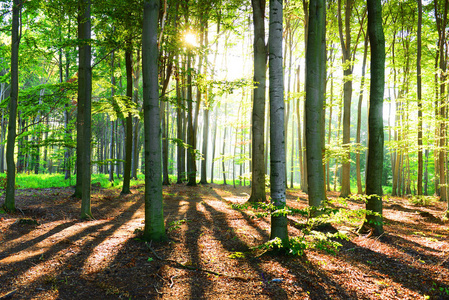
(421, 200)
(312, 237)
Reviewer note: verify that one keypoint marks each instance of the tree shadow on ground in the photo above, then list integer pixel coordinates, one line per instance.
(64, 256)
(413, 278)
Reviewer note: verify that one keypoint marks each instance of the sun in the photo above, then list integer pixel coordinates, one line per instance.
(190, 39)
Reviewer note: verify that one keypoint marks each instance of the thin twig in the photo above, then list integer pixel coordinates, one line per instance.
(171, 281)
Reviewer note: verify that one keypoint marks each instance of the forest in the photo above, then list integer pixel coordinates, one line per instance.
(228, 149)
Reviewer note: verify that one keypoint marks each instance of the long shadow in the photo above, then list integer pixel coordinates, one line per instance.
(247, 217)
(407, 229)
(73, 263)
(36, 240)
(407, 246)
(139, 278)
(313, 283)
(408, 276)
(234, 243)
(198, 281)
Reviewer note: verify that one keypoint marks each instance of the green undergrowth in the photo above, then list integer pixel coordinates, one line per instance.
(317, 232)
(41, 181)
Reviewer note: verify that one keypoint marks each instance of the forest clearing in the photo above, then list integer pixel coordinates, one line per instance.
(61, 257)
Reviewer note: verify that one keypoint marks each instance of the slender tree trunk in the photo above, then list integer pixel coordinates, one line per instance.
(84, 107)
(214, 144)
(277, 138)
(258, 112)
(223, 151)
(374, 167)
(154, 213)
(298, 118)
(129, 122)
(359, 118)
(136, 121)
(180, 133)
(191, 165)
(113, 131)
(347, 73)
(419, 95)
(315, 67)
(11, 167)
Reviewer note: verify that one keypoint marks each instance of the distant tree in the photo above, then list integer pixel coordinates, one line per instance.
(374, 166)
(154, 212)
(277, 134)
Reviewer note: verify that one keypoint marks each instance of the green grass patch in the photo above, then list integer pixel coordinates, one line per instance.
(42, 181)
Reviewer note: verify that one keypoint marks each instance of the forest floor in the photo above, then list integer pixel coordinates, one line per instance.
(208, 254)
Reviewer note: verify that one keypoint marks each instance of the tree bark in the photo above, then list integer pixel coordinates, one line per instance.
(258, 112)
(374, 168)
(191, 165)
(10, 204)
(154, 214)
(277, 129)
(359, 119)
(129, 121)
(419, 95)
(84, 107)
(315, 67)
(347, 74)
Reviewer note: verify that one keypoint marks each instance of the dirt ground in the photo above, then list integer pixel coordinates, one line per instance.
(208, 254)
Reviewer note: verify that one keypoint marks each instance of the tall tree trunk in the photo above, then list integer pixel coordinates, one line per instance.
(191, 165)
(374, 168)
(419, 95)
(298, 118)
(136, 121)
(258, 112)
(180, 133)
(10, 204)
(113, 131)
(84, 106)
(206, 108)
(68, 131)
(347, 73)
(129, 121)
(359, 118)
(205, 144)
(214, 144)
(223, 151)
(154, 213)
(441, 26)
(315, 67)
(277, 138)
